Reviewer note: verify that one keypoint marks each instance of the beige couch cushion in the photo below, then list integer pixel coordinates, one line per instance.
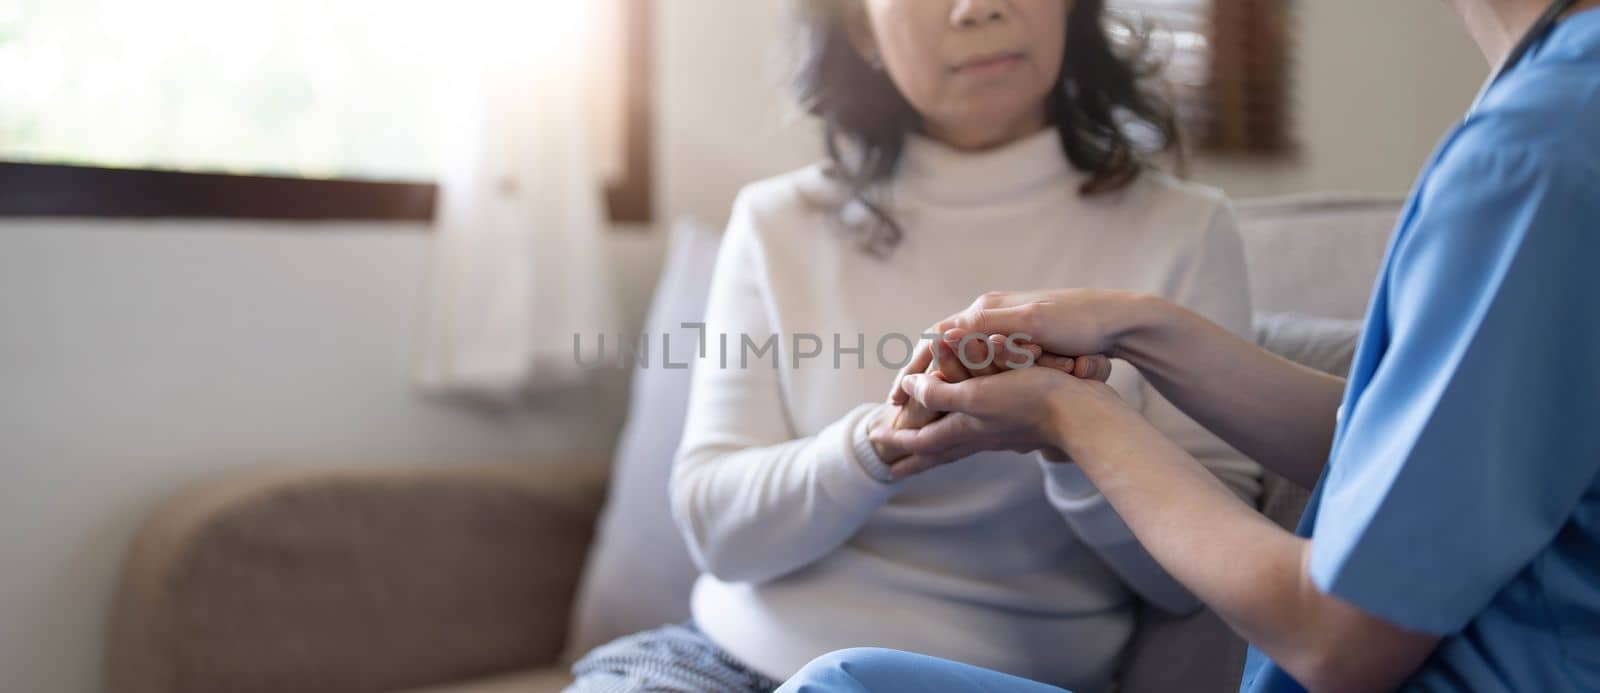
(358, 579)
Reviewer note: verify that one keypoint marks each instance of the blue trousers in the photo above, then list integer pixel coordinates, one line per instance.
(866, 669)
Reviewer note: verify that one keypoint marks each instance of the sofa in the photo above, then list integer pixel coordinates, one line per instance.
(492, 578)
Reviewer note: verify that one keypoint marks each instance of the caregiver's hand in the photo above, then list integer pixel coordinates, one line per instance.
(960, 355)
(1019, 410)
(948, 366)
(1061, 321)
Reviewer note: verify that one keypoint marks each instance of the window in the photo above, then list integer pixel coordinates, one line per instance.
(163, 106)
(1228, 68)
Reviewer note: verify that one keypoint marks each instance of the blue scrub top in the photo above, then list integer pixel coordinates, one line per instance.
(1461, 497)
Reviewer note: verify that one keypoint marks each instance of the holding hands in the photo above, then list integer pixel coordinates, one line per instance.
(999, 377)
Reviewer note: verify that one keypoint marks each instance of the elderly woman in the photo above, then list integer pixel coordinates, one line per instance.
(973, 145)
(1453, 541)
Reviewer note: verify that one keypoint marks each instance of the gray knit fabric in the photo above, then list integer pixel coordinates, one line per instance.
(675, 659)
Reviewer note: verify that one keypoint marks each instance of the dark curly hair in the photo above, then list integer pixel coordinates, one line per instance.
(1106, 93)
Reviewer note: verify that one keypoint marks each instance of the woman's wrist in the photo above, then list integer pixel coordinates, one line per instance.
(885, 455)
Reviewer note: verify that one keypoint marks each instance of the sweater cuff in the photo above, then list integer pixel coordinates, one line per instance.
(861, 445)
(1088, 512)
(842, 467)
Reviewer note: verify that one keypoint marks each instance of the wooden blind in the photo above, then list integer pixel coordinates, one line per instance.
(1227, 64)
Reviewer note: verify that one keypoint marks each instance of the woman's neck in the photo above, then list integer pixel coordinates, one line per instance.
(934, 171)
(979, 138)
(1497, 25)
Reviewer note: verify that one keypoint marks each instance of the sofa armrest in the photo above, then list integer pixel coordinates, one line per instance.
(364, 579)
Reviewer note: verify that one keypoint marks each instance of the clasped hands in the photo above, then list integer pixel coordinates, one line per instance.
(1001, 375)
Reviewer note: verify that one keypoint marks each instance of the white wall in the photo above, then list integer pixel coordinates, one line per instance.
(138, 356)
(1378, 82)
(723, 119)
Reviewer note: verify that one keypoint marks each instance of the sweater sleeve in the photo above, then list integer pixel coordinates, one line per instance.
(753, 499)
(1214, 284)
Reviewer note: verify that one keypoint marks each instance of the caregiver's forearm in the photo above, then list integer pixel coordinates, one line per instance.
(1252, 573)
(1276, 411)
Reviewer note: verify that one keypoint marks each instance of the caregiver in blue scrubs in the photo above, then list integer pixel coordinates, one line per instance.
(1453, 541)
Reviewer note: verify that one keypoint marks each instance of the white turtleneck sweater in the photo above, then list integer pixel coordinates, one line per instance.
(1001, 560)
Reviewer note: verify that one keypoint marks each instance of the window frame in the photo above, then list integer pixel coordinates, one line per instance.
(30, 189)
(1243, 104)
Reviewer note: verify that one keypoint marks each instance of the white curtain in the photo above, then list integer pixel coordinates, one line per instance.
(518, 264)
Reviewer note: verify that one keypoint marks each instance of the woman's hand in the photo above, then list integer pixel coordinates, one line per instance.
(1021, 410)
(1060, 321)
(951, 368)
(960, 355)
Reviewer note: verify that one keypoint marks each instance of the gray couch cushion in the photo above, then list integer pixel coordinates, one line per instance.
(639, 572)
(1316, 255)
(1326, 344)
